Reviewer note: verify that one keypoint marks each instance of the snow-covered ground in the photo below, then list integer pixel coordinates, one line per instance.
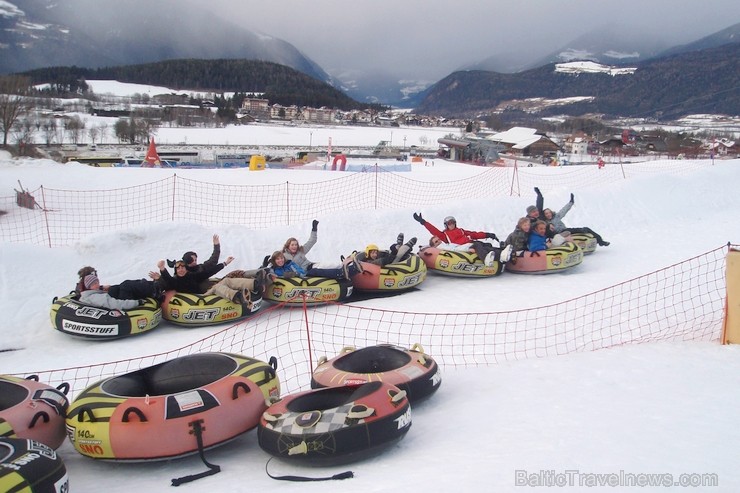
(646, 409)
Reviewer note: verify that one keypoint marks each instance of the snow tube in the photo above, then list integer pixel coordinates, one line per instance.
(315, 290)
(335, 425)
(28, 466)
(398, 276)
(72, 317)
(156, 412)
(198, 310)
(585, 241)
(555, 259)
(459, 264)
(408, 369)
(342, 160)
(31, 409)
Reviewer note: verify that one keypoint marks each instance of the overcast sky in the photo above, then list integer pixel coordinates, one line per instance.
(431, 38)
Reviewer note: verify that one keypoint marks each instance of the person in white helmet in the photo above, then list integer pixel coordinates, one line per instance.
(464, 240)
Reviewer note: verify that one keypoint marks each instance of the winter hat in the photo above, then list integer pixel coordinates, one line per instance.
(531, 209)
(90, 279)
(188, 257)
(85, 271)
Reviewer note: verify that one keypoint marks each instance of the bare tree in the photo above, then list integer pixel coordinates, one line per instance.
(24, 130)
(13, 102)
(50, 130)
(93, 132)
(74, 127)
(103, 128)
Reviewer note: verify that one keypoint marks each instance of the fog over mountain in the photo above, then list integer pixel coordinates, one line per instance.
(374, 50)
(94, 33)
(417, 39)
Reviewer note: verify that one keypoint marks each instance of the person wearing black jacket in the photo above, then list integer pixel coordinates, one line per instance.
(190, 258)
(186, 281)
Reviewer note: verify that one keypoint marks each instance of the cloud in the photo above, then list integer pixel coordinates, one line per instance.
(421, 39)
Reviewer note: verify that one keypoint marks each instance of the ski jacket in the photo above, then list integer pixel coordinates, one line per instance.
(457, 236)
(299, 257)
(191, 282)
(518, 240)
(557, 218)
(537, 242)
(289, 269)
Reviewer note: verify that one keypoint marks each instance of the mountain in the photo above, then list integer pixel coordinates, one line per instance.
(278, 83)
(380, 88)
(607, 44)
(99, 33)
(727, 35)
(702, 81)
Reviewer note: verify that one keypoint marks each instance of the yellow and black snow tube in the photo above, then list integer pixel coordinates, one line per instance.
(72, 317)
(397, 276)
(314, 290)
(198, 310)
(28, 466)
(585, 241)
(460, 264)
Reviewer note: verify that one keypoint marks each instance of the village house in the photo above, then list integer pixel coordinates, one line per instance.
(256, 107)
(318, 115)
(525, 141)
(577, 144)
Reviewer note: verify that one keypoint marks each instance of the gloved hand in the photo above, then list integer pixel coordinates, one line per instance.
(572, 199)
(418, 218)
(537, 191)
(314, 225)
(142, 302)
(492, 236)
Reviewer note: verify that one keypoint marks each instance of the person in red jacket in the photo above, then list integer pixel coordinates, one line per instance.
(464, 240)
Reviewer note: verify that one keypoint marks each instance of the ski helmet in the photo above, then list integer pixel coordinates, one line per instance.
(371, 247)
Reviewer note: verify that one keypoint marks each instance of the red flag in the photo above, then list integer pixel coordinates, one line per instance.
(152, 158)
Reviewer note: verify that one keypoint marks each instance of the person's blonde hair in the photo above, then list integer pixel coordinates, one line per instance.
(521, 221)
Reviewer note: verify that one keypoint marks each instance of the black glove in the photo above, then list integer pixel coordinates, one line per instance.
(314, 225)
(418, 218)
(572, 199)
(142, 302)
(492, 236)
(537, 191)
(171, 263)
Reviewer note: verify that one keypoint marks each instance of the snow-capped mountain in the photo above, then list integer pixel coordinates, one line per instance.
(97, 33)
(609, 46)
